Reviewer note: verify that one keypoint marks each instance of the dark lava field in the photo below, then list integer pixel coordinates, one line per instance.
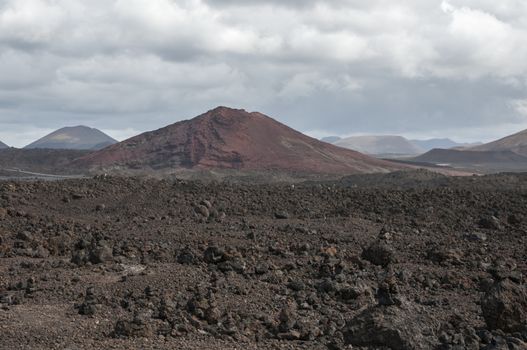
(398, 261)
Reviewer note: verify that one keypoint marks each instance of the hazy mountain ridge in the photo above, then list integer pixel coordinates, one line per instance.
(444, 143)
(516, 143)
(506, 154)
(394, 144)
(331, 139)
(448, 156)
(381, 144)
(76, 138)
(53, 161)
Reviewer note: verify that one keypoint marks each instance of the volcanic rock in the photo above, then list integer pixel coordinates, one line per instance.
(492, 223)
(308, 265)
(281, 215)
(187, 256)
(137, 327)
(96, 252)
(214, 255)
(405, 327)
(504, 306)
(379, 253)
(89, 306)
(476, 237)
(3, 213)
(24, 236)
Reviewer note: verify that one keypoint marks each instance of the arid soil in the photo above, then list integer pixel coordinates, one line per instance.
(405, 261)
(53, 161)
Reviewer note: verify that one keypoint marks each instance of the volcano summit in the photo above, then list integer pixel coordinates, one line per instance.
(76, 137)
(225, 138)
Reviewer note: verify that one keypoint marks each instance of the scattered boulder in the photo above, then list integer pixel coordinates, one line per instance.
(95, 252)
(476, 237)
(187, 256)
(502, 269)
(379, 253)
(101, 253)
(8, 299)
(89, 305)
(331, 267)
(287, 319)
(30, 287)
(501, 342)
(226, 260)
(206, 203)
(456, 335)
(235, 264)
(203, 211)
(3, 213)
(404, 327)
(360, 294)
(491, 223)
(137, 327)
(443, 255)
(24, 236)
(504, 306)
(214, 255)
(281, 215)
(388, 292)
(262, 268)
(203, 305)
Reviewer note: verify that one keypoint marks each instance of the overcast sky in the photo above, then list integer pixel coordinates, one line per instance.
(420, 68)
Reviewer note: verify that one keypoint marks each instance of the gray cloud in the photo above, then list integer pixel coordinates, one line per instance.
(421, 67)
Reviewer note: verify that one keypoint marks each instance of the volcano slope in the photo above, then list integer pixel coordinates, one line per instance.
(226, 138)
(126, 263)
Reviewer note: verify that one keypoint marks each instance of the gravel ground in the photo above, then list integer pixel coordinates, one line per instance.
(404, 261)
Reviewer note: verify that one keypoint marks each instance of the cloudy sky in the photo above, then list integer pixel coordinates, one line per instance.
(420, 68)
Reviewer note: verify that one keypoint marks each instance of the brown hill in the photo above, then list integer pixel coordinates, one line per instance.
(475, 161)
(516, 143)
(452, 156)
(54, 161)
(228, 138)
(379, 144)
(76, 137)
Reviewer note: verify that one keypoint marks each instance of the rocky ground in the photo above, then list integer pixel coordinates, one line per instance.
(383, 262)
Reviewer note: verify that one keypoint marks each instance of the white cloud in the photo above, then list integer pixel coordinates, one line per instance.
(364, 65)
(520, 106)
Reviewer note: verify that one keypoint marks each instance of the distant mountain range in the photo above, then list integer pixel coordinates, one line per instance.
(454, 156)
(226, 138)
(50, 161)
(233, 139)
(506, 154)
(331, 139)
(379, 145)
(3, 145)
(384, 145)
(516, 143)
(74, 138)
(427, 145)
